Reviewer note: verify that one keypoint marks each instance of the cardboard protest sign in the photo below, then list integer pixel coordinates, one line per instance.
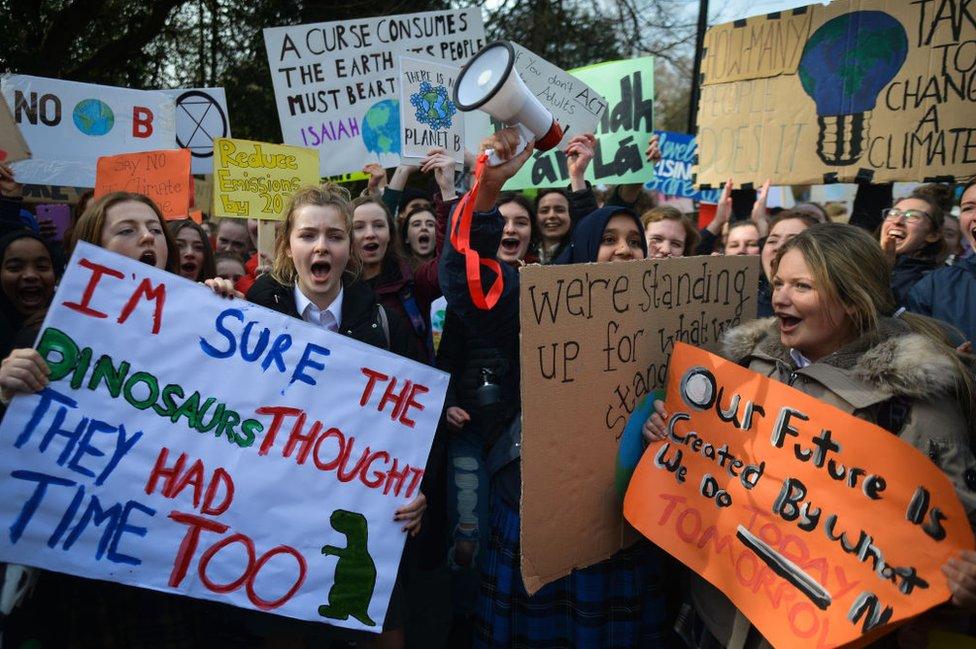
(428, 116)
(256, 179)
(673, 172)
(595, 339)
(869, 91)
(203, 192)
(624, 126)
(201, 116)
(213, 449)
(57, 213)
(163, 176)
(12, 144)
(337, 87)
(69, 125)
(819, 526)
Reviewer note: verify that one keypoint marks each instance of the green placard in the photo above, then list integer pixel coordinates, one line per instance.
(622, 133)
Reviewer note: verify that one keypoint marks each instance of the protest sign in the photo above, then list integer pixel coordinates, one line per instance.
(673, 172)
(623, 128)
(201, 116)
(428, 116)
(212, 448)
(163, 176)
(12, 145)
(256, 179)
(59, 214)
(69, 125)
(53, 194)
(203, 192)
(819, 526)
(336, 84)
(823, 94)
(595, 339)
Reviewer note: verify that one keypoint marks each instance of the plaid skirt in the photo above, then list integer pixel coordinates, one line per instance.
(616, 603)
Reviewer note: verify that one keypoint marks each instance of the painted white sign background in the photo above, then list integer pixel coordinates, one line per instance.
(276, 501)
(63, 154)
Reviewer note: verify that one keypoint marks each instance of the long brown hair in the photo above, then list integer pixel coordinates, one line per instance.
(209, 268)
(89, 227)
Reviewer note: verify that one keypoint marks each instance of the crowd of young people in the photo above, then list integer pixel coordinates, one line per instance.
(884, 306)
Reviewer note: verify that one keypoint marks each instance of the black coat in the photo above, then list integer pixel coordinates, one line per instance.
(360, 319)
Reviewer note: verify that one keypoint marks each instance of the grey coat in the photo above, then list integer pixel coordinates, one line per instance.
(897, 379)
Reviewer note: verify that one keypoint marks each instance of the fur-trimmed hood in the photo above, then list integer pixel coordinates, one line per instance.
(893, 359)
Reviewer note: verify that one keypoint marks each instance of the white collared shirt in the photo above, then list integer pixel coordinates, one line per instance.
(328, 317)
(798, 358)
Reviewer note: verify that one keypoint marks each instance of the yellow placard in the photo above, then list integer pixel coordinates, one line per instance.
(256, 179)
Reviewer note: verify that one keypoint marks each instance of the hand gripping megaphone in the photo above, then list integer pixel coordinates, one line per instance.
(490, 82)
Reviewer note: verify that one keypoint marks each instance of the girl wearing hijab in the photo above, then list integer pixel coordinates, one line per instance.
(613, 603)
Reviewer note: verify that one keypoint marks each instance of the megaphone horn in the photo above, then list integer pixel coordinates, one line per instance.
(489, 82)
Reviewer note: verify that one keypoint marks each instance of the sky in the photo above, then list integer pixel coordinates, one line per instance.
(727, 10)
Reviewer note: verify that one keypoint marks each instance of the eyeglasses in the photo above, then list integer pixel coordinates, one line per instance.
(911, 216)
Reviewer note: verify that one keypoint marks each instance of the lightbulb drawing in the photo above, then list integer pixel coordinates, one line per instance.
(844, 65)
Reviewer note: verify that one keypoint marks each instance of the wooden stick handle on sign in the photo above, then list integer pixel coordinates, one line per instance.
(266, 242)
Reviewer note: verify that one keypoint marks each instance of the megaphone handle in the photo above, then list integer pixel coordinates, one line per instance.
(524, 135)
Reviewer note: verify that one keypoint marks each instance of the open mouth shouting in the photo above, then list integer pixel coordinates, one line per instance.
(510, 245)
(32, 296)
(320, 271)
(370, 249)
(148, 257)
(189, 269)
(788, 322)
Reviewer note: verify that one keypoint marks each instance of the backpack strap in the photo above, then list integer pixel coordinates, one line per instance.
(417, 320)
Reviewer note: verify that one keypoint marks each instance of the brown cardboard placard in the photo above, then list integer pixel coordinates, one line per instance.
(876, 90)
(595, 338)
(12, 144)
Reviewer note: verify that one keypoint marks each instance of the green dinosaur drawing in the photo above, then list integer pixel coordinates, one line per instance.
(355, 573)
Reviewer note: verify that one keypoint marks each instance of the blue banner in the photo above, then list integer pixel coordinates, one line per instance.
(672, 175)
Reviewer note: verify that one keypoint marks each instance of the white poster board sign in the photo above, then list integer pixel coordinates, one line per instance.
(201, 116)
(69, 125)
(337, 86)
(213, 448)
(428, 115)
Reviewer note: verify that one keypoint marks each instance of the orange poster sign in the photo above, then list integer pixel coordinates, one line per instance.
(819, 526)
(163, 176)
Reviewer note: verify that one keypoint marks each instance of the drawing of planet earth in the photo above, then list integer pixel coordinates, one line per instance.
(93, 117)
(381, 127)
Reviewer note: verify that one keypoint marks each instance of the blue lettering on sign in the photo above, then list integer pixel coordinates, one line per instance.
(115, 518)
(254, 343)
(88, 438)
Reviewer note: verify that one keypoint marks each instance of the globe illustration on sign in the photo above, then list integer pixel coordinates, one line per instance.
(381, 127)
(93, 117)
(433, 106)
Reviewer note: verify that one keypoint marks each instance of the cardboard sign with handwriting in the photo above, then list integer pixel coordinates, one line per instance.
(878, 90)
(595, 340)
(163, 176)
(819, 526)
(12, 144)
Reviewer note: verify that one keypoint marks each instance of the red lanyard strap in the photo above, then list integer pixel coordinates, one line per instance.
(461, 240)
